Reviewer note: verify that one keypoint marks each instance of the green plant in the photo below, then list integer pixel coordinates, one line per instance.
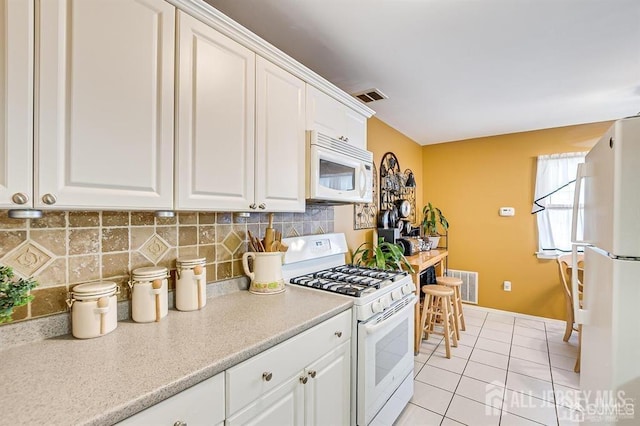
(384, 255)
(431, 218)
(13, 293)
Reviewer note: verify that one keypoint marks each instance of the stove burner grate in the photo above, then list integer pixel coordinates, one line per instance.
(349, 279)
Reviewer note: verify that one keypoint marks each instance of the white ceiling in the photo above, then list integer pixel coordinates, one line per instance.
(460, 69)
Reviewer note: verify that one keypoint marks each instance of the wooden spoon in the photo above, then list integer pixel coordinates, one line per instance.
(157, 285)
(269, 234)
(103, 302)
(197, 270)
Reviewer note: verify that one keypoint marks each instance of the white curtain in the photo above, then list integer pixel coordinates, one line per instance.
(553, 202)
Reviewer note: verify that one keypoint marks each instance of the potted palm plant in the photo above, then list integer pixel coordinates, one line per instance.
(384, 255)
(432, 217)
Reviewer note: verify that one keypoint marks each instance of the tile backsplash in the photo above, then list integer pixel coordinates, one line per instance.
(63, 248)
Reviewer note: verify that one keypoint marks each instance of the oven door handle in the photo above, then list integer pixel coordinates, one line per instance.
(393, 319)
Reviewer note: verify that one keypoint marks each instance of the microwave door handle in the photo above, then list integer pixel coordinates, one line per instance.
(363, 181)
(576, 205)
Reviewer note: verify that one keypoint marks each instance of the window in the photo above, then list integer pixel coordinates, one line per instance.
(553, 202)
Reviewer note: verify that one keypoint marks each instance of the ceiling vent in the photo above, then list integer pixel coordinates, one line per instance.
(370, 95)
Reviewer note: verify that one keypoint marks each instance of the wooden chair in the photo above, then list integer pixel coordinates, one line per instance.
(564, 263)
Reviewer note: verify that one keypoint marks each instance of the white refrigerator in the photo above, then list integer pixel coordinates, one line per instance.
(610, 315)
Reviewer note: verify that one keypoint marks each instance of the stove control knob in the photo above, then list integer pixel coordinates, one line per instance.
(376, 307)
(406, 289)
(385, 303)
(396, 294)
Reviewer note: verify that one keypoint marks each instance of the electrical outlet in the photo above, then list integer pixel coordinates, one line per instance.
(506, 285)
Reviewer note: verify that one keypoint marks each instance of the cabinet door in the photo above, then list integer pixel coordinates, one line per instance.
(281, 407)
(280, 138)
(105, 84)
(202, 404)
(16, 102)
(325, 114)
(356, 130)
(328, 389)
(215, 119)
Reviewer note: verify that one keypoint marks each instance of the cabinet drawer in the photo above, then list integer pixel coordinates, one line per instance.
(248, 381)
(202, 404)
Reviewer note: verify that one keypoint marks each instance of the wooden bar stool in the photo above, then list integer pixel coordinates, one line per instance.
(455, 284)
(436, 311)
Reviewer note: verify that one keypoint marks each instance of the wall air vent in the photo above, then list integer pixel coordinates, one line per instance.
(370, 95)
(469, 288)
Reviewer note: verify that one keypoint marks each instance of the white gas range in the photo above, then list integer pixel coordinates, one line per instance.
(383, 321)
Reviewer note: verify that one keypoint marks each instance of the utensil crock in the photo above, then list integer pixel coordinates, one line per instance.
(266, 275)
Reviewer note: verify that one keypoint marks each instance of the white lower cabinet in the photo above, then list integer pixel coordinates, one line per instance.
(202, 404)
(319, 395)
(328, 390)
(282, 406)
(305, 380)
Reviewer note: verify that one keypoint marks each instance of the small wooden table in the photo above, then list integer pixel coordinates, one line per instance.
(419, 262)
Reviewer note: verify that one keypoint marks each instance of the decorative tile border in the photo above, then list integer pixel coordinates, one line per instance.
(67, 248)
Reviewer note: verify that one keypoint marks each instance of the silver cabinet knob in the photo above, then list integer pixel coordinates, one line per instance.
(49, 199)
(20, 198)
(304, 380)
(313, 373)
(180, 423)
(266, 376)
(338, 333)
(252, 206)
(262, 206)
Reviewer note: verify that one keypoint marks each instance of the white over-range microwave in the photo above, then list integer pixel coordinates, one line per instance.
(337, 172)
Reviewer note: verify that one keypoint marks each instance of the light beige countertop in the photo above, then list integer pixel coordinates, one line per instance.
(66, 381)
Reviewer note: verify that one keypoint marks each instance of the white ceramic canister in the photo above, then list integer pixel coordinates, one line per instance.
(94, 309)
(191, 284)
(149, 294)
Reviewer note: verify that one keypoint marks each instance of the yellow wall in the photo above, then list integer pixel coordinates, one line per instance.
(381, 139)
(469, 180)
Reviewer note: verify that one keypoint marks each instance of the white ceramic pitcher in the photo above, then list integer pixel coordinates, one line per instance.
(266, 277)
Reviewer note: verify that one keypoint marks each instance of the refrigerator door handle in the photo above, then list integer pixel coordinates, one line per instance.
(580, 316)
(576, 205)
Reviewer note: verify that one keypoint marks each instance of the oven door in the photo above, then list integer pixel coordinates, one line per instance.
(338, 177)
(385, 357)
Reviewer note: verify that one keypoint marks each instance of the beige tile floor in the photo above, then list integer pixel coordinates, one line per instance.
(507, 370)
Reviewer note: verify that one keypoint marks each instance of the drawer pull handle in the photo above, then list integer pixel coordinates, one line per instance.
(180, 423)
(303, 380)
(312, 373)
(266, 376)
(338, 333)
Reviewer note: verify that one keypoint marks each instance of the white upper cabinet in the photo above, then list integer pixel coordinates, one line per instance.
(333, 118)
(105, 104)
(280, 138)
(215, 144)
(16, 103)
(240, 126)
